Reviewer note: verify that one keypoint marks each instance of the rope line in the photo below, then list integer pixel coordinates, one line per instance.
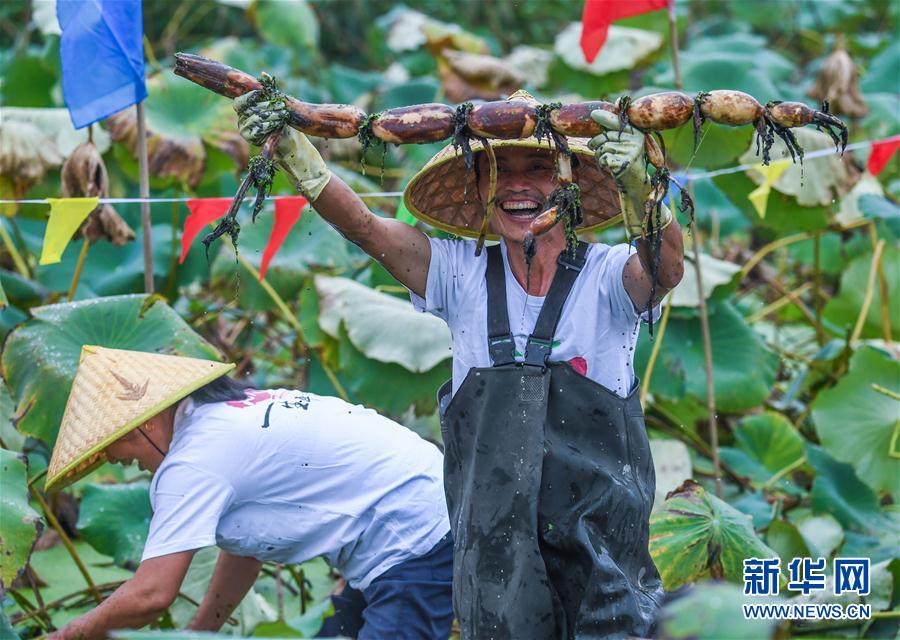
(703, 175)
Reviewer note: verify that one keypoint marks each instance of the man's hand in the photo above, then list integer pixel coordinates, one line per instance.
(295, 155)
(623, 153)
(138, 602)
(402, 249)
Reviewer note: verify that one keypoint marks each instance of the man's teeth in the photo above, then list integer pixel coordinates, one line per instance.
(521, 207)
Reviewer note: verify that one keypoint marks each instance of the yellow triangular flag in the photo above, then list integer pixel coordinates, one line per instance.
(66, 215)
(759, 197)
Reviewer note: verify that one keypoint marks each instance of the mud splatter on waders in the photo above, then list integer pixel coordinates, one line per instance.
(549, 483)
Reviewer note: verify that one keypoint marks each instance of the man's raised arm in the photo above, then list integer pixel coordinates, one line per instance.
(622, 152)
(401, 249)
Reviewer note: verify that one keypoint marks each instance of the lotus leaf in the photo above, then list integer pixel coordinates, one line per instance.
(41, 356)
(19, 523)
(696, 535)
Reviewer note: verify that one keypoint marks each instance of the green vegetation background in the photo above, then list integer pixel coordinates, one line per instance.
(805, 371)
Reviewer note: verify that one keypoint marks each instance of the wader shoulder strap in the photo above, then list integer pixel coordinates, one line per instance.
(501, 346)
(540, 342)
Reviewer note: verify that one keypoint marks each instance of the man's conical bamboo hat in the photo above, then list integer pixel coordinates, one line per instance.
(444, 194)
(115, 391)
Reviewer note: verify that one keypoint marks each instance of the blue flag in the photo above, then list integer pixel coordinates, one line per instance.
(102, 54)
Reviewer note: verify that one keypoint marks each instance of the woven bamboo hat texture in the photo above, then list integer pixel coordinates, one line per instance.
(445, 195)
(115, 391)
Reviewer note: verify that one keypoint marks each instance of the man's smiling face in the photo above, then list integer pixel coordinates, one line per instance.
(525, 178)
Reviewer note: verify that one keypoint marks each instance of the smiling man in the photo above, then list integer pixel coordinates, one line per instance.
(548, 474)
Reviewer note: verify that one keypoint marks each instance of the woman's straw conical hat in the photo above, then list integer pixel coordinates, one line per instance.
(444, 193)
(115, 391)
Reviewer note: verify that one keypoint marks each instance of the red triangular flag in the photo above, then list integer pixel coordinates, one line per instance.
(881, 154)
(599, 14)
(203, 212)
(287, 213)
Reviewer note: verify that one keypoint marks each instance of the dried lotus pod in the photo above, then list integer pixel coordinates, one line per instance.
(838, 83)
(469, 76)
(168, 157)
(83, 175)
(26, 154)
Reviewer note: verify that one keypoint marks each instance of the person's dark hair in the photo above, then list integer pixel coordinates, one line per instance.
(221, 389)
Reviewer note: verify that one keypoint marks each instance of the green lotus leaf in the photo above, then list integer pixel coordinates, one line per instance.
(10, 317)
(381, 326)
(309, 623)
(881, 75)
(843, 310)
(838, 491)
(312, 245)
(21, 291)
(823, 534)
(9, 437)
(418, 91)
(19, 523)
(875, 206)
(183, 110)
(41, 356)
(743, 367)
(115, 519)
(287, 23)
(364, 379)
(786, 540)
(770, 438)
(718, 147)
(858, 424)
(882, 120)
(172, 634)
(712, 611)
(6, 628)
(27, 79)
(62, 577)
(696, 535)
(715, 210)
(783, 214)
(714, 272)
(702, 71)
(766, 444)
(110, 270)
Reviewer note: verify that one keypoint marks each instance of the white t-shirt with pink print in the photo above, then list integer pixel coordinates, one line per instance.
(597, 331)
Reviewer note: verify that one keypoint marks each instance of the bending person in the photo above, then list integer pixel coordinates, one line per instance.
(266, 475)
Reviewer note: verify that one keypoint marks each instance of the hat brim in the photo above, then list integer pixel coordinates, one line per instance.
(87, 460)
(443, 193)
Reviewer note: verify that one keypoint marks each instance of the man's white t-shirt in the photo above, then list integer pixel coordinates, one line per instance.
(288, 476)
(597, 331)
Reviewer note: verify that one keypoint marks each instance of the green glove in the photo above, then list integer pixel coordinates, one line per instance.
(623, 153)
(294, 154)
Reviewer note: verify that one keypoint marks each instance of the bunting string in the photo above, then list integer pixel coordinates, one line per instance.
(692, 176)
